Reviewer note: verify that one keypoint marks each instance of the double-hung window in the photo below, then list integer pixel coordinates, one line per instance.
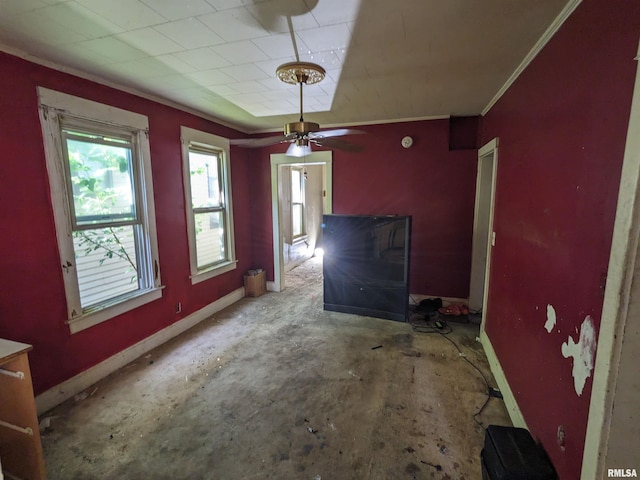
(208, 203)
(298, 223)
(100, 177)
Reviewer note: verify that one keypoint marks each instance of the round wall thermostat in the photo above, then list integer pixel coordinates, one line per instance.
(407, 141)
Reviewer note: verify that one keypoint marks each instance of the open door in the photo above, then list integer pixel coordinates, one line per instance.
(281, 226)
(483, 235)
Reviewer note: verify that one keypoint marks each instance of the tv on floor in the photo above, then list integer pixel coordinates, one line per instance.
(366, 264)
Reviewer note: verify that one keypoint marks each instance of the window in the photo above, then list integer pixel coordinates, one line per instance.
(298, 227)
(208, 204)
(100, 177)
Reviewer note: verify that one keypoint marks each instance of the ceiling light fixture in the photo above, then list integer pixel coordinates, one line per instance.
(300, 72)
(302, 134)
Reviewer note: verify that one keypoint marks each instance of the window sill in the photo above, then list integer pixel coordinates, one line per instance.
(300, 239)
(94, 318)
(213, 272)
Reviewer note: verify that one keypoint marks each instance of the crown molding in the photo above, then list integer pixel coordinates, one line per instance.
(540, 44)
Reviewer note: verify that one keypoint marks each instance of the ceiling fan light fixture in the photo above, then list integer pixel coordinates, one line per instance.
(300, 72)
(299, 148)
(300, 127)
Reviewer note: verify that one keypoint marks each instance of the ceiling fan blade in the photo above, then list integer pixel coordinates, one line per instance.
(338, 132)
(260, 142)
(338, 144)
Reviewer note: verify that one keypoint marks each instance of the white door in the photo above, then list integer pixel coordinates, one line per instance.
(482, 225)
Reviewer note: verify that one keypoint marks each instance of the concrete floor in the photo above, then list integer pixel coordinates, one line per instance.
(275, 387)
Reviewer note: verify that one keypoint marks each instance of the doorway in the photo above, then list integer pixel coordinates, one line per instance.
(483, 235)
(288, 250)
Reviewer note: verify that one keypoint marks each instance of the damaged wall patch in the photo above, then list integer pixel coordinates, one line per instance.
(583, 353)
(551, 318)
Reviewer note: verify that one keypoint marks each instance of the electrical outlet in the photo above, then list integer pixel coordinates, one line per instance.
(178, 307)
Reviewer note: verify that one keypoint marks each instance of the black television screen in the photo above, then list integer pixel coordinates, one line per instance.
(367, 246)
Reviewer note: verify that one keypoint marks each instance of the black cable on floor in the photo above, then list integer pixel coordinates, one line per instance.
(427, 328)
(486, 382)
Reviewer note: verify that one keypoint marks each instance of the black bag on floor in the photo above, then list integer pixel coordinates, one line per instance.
(510, 453)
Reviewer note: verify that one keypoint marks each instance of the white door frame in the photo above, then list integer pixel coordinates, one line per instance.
(490, 150)
(324, 158)
(621, 295)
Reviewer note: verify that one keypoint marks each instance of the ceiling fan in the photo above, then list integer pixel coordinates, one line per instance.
(300, 135)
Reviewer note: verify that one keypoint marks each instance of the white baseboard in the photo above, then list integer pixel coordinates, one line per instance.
(67, 389)
(416, 298)
(509, 400)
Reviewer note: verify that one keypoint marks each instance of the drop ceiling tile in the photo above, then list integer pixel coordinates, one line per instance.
(238, 53)
(37, 27)
(304, 22)
(223, 90)
(244, 72)
(176, 64)
(173, 10)
(80, 19)
(334, 37)
(82, 57)
(279, 46)
(150, 41)
(250, 87)
(202, 58)
(174, 81)
(234, 25)
(331, 12)
(328, 60)
(189, 33)
(226, 4)
(141, 68)
(276, 86)
(128, 14)
(114, 49)
(211, 77)
(269, 67)
(15, 7)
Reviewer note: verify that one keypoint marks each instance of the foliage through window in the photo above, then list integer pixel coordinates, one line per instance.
(99, 171)
(208, 198)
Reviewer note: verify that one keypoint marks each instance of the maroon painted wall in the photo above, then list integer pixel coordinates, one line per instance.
(427, 181)
(561, 129)
(32, 300)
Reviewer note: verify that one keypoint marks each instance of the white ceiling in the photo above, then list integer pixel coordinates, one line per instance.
(386, 60)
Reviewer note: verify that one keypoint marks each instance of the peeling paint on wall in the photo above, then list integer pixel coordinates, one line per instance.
(582, 352)
(551, 318)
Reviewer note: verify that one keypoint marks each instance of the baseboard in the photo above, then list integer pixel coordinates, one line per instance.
(509, 400)
(416, 298)
(271, 286)
(67, 389)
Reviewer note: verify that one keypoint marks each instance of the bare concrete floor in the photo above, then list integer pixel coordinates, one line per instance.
(275, 387)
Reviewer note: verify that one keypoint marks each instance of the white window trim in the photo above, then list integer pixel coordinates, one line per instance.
(188, 135)
(296, 239)
(51, 104)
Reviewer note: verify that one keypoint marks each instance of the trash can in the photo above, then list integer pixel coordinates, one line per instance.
(255, 283)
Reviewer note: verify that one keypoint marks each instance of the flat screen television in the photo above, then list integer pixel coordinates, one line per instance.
(366, 264)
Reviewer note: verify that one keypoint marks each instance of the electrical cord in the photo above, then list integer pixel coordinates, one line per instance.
(444, 331)
(486, 382)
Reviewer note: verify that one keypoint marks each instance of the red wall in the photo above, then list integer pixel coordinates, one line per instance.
(561, 129)
(32, 300)
(427, 181)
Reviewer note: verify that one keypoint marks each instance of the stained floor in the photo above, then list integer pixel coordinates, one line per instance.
(275, 387)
